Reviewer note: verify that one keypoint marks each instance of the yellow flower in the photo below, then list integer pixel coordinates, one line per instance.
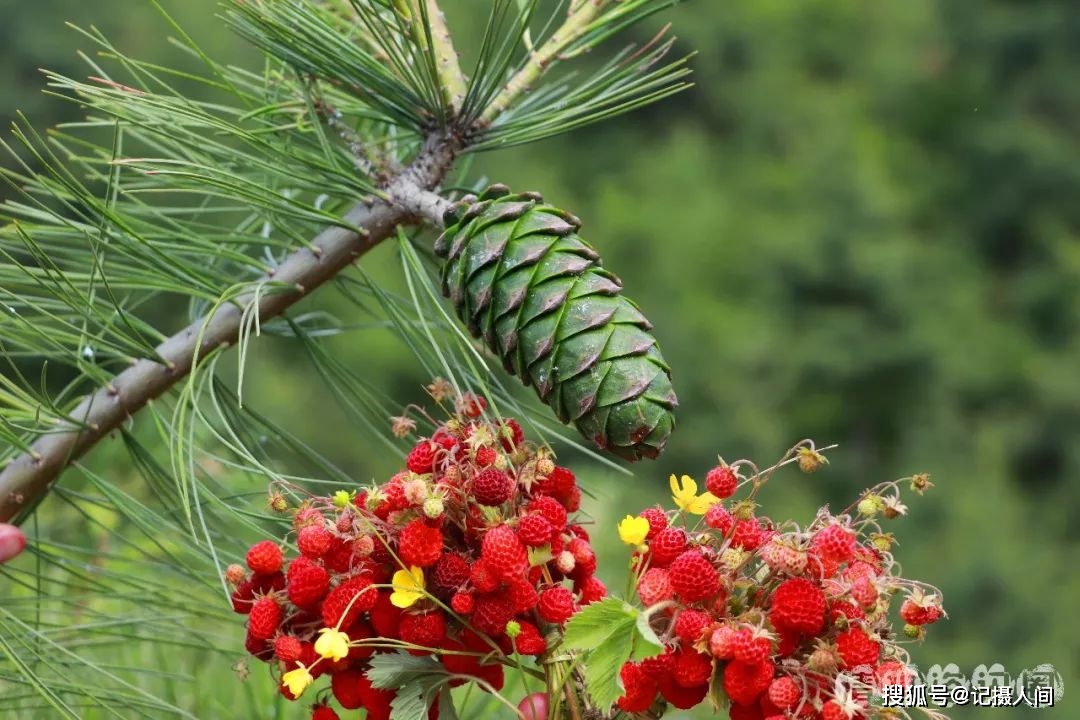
(408, 587)
(332, 644)
(684, 493)
(297, 680)
(632, 530)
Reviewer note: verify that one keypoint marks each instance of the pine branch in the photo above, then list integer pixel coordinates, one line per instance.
(406, 199)
(452, 79)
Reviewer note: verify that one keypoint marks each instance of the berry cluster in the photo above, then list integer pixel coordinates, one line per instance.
(789, 622)
(470, 554)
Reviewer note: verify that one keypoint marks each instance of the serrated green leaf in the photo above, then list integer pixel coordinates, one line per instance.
(415, 697)
(598, 621)
(396, 670)
(603, 664)
(539, 556)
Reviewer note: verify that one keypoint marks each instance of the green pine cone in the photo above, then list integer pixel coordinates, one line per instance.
(522, 279)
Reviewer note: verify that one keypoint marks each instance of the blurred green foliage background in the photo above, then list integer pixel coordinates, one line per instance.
(860, 226)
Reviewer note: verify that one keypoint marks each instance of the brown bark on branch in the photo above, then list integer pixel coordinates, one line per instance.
(407, 199)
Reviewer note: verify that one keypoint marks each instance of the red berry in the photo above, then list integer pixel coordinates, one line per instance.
(721, 481)
(535, 530)
(484, 577)
(798, 605)
(654, 586)
(746, 712)
(718, 518)
(462, 603)
(427, 630)
(693, 577)
(915, 613)
(690, 625)
(784, 693)
(421, 459)
(551, 509)
(323, 712)
(347, 688)
(691, 668)
(486, 456)
(504, 552)
(592, 590)
(287, 648)
(681, 697)
(745, 682)
(491, 613)
(668, 544)
(534, 706)
(749, 647)
(314, 541)
(857, 648)
(833, 710)
(639, 687)
(420, 544)
(348, 600)
(555, 604)
(529, 640)
(511, 435)
(264, 558)
(264, 619)
(523, 595)
(835, 543)
(385, 617)
(243, 597)
(449, 574)
(307, 582)
(492, 487)
(748, 534)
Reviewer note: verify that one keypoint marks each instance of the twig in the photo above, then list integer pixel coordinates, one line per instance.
(451, 78)
(581, 14)
(407, 198)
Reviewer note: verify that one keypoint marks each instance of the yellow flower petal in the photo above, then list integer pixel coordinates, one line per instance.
(701, 504)
(297, 680)
(332, 644)
(632, 530)
(408, 587)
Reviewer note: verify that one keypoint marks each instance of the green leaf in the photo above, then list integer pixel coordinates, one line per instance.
(611, 632)
(395, 670)
(599, 621)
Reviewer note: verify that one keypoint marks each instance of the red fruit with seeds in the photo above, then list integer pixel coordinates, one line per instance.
(347, 688)
(857, 648)
(522, 595)
(551, 509)
(592, 590)
(835, 543)
(915, 613)
(721, 481)
(428, 630)
(492, 487)
(314, 541)
(749, 647)
(555, 604)
(287, 648)
(486, 456)
(690, 625)
(535, 530)
(261, 649)
(420, 544)
(693, 577)
(484, 577)
(748, 534)
(348, 600)
(491, 613)
(691, 668)
(264, 558)
(745, 712)
(784, 693)
(584, 557)
(462, 603)
(529, 640)
(421, 459)
(679, 696)
(798, 605)
(323, 712)
(264, 619)
(504, 552)
(722, 642)
(243, 597)
(307, 582)
(668, 545)
(654, 586)
(719, 518)
(639, 688)
(745, 682)
(449, 574)
(832, 710)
